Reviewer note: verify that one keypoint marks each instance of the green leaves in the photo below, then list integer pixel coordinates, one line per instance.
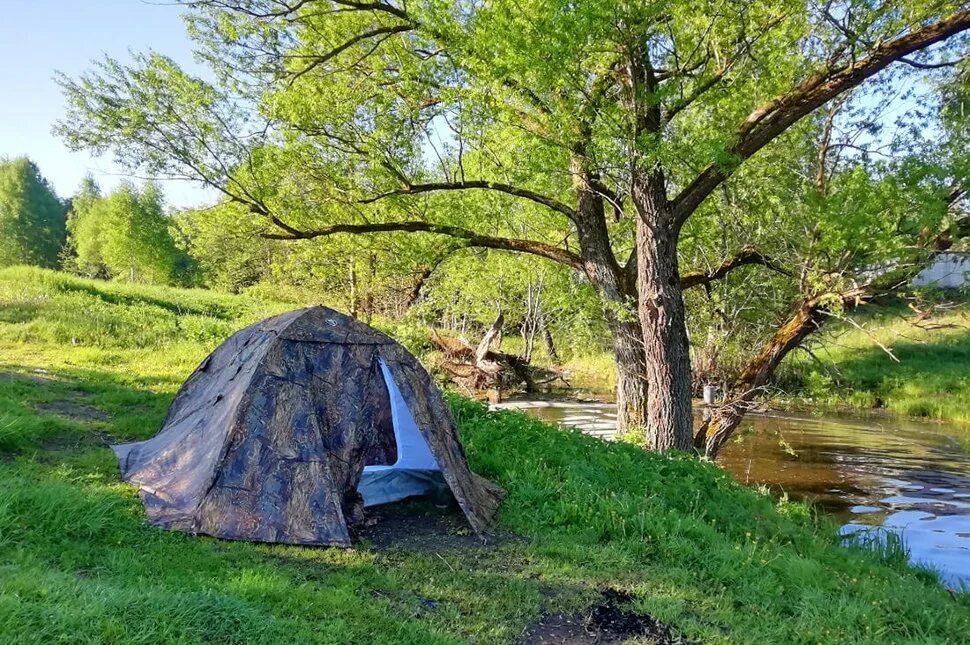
(124, 235)
(32, 218)
(156, 119)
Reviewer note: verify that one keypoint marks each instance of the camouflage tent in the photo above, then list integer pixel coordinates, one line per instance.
(293, 425)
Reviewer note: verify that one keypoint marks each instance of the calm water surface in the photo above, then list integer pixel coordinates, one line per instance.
(908, 477)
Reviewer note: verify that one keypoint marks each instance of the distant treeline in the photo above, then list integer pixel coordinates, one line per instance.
(122, 235)
(128, 234)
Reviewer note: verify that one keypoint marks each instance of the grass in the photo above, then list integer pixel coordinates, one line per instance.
(78, 563)
(931, 378)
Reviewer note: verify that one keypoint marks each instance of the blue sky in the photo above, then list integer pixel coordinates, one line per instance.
(38, 37)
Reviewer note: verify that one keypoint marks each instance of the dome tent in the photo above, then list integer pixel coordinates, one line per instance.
(291, 426)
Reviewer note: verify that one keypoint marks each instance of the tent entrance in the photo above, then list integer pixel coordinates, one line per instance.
(414, 471)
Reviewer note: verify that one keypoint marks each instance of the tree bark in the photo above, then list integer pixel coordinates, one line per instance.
(724, 420)
(618, 292)
(353, 289)
(550, 343)
(631, 374)
(670, 416)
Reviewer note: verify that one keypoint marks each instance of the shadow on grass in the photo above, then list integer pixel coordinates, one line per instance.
(19, 313)
(119, 297)
(39, 406)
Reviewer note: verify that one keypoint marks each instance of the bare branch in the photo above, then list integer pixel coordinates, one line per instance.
(872, 337)
(524, 193)
(468, 237)
(747, 256)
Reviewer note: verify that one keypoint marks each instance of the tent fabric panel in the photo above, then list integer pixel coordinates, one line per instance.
(478, 497)
(290, 474)
(175, 467)
(322, 325)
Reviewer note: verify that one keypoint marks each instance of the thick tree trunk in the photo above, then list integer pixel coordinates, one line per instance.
(618, 292)
(669, 413)
(631, 369)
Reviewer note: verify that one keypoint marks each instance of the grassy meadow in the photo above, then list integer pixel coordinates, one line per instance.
(851, 369)
(84, 363)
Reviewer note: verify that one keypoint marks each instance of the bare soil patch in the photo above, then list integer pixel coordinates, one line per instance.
(421, 525)
(607, 623)
(75, 411)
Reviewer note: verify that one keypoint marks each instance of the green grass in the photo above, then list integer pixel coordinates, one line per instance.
(931, 378)
(78, 562)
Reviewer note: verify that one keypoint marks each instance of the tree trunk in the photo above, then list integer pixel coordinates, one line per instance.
(618, 292)
(550, 343)
(722, 423)
(353, 290)
(371, 283)
(631, 381)
(414, 294)
(488, 339)
(670, 416)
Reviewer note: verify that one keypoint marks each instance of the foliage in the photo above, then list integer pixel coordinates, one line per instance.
(85, 234)
(720, 562)
(124, 235)
(224, 242)
(32, 218)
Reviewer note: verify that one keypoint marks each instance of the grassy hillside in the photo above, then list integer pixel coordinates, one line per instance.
(930, 379)
(83, 363)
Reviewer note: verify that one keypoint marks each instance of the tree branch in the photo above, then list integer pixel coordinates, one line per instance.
(773, 117)
(468, 237)
(747, 256)
(744, 47)
(524, 193)
(317, 60)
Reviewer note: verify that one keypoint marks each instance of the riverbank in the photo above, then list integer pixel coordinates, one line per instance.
(892, 361)
(889, 363)
(83, 363)
(906, 477)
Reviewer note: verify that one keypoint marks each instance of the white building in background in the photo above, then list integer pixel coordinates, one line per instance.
(949, 271)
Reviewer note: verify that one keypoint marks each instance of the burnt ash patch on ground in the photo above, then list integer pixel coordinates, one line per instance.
(607, 623)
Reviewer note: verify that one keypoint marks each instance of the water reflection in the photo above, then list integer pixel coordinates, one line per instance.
(908, 477)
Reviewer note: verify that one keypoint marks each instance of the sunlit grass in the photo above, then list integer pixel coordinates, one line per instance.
(78, 562)
(929, 379)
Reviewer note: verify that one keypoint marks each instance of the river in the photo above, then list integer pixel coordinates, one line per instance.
(908, 477)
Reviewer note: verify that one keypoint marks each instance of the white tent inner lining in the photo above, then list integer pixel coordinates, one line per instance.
(416, 471)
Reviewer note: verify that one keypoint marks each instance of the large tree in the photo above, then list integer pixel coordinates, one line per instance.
(586, 133)
(32, 217)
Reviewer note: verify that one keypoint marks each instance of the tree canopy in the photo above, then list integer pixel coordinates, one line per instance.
(593, 134)
(124, 235)
(32, 218)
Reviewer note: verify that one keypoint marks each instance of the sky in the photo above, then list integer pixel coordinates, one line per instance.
(39, 37)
